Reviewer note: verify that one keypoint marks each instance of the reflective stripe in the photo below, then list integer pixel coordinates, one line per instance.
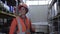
(19, 24)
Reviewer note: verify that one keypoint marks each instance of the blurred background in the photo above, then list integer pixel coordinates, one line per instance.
(44, 15)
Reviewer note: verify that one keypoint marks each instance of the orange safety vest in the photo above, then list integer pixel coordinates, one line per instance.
(15, 23)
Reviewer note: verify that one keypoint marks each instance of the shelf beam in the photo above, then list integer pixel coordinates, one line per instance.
(12, 15)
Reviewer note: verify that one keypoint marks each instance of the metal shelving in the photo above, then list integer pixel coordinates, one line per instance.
(11, 2)
(52, 3)
(55, 20)
(5, 21)
(2, 12)
(6, 17)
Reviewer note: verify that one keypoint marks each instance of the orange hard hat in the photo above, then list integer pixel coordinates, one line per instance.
(23, 5)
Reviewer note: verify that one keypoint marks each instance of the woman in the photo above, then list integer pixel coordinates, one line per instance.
(23, 23)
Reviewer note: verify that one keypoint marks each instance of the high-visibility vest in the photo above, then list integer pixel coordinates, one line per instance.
(21, 26)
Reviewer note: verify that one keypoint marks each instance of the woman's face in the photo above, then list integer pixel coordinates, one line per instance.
(22, 11)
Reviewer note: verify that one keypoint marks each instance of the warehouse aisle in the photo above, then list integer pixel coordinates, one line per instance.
(44, 16)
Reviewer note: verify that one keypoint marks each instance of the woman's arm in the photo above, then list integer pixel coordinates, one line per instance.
(12, 27)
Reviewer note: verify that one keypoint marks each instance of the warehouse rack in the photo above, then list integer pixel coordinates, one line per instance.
(54, 22)
(6, 17)
(5, 21)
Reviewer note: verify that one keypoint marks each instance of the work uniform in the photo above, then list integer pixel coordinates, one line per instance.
(25, 26)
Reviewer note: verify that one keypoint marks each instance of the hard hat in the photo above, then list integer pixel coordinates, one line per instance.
(23, 5)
